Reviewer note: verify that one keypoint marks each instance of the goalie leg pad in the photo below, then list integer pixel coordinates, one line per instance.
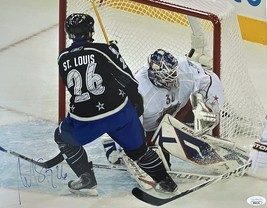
(179, 140)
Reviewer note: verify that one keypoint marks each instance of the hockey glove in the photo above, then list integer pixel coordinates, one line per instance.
(258, 157)
(138, 103)
(206, 118)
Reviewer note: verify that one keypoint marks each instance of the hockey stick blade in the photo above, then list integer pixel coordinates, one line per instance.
(156, 201)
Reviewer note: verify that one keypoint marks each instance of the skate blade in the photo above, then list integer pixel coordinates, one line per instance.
(85, 192)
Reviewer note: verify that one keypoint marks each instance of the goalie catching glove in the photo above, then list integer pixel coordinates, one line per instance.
(206, 115)
(258, 157)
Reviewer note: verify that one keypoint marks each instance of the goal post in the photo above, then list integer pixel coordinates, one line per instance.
(205, 30)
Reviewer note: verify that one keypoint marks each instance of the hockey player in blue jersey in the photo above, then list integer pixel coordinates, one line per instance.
(104, 99)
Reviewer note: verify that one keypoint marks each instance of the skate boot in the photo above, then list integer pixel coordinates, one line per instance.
(84, 185)
(167, 185)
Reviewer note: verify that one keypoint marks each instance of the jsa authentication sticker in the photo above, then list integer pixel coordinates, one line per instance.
(256, 200)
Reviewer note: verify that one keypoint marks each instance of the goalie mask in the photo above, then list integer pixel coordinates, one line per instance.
(163, 69)
(79, 27)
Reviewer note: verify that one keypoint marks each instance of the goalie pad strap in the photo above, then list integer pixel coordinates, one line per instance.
(260, 147)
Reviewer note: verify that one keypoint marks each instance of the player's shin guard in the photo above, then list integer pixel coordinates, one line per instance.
(75, 156)
(152, 165)
(149, 161)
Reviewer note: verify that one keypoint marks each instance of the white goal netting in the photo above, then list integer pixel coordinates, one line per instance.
(141, 28)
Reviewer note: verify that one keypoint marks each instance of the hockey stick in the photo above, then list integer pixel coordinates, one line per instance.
(47, 164)
(55, 161)
(100, 21)
(59, 158)
(156, 201)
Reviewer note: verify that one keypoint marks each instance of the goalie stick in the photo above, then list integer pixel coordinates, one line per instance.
(156, 201)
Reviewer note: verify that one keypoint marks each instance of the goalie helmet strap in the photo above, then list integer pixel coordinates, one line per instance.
(260, 147)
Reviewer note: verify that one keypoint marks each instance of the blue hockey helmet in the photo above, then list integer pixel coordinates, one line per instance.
(163, 69)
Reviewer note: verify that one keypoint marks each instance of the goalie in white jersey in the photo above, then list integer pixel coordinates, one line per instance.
(177, 86)
(167, 83)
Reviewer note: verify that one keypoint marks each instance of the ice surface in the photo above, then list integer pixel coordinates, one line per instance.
(28, 119)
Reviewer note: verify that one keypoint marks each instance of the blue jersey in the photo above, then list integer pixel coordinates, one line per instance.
(103, 94)
(97, 79)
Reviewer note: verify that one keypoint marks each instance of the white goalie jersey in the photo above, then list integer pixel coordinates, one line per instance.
(192, 78)
(193, 82)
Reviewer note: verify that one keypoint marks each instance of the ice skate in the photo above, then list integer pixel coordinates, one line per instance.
(167, 185)
(84, 185)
